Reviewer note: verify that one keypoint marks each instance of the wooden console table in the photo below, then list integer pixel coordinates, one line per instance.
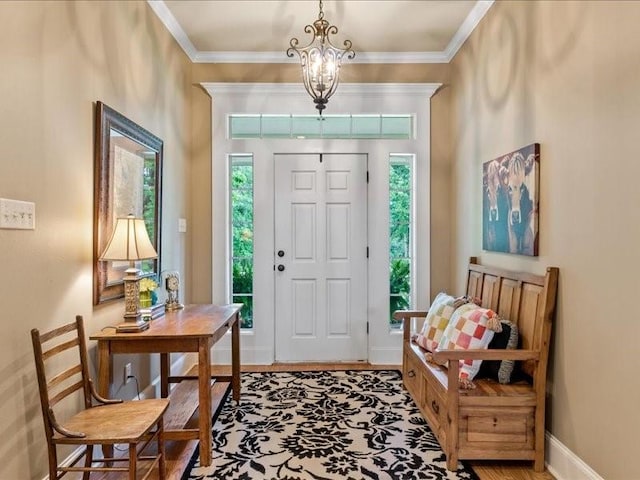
(196, 328)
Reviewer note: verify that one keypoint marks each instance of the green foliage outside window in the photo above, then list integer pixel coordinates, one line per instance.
(399, 287)
(399, 238)
(242, 237)
(243, 284)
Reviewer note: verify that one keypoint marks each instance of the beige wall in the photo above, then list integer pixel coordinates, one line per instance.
(564, 74)
(58, 59)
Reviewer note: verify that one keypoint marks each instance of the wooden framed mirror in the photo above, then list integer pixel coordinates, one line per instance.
(127, 180)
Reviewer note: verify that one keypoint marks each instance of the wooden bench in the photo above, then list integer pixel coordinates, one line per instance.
(492, 421)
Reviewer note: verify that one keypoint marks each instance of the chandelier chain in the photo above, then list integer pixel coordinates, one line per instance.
(321, 14)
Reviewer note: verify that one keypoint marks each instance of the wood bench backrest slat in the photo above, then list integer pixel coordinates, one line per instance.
(518, 297)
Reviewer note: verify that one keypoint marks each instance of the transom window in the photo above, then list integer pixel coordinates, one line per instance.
(326, 126)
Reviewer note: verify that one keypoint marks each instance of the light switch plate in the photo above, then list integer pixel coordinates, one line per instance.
(182, 225)
(16, 214)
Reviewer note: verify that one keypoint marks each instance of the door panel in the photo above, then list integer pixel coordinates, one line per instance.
(304, 307)
(304, 231)
(320, 281)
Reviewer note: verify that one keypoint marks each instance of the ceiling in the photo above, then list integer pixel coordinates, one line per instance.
(382, 31)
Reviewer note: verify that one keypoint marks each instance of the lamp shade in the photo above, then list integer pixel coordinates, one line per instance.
(130, 241)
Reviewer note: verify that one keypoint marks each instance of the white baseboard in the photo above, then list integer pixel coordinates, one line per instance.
(248, 356)
(70, 459)
(385, 356)
(563, 464)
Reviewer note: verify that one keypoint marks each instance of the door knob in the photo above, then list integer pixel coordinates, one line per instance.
(281, 253)
(281, 268)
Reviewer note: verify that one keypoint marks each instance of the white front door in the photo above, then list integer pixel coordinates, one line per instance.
(320, 257)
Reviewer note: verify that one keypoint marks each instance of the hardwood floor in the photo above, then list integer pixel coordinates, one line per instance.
(508, 471)
(179, 453)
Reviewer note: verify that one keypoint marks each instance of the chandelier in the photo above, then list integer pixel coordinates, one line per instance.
(320, 60)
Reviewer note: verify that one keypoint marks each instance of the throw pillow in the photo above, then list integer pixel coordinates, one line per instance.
(469, 328)
(506, 338)
(436, 321)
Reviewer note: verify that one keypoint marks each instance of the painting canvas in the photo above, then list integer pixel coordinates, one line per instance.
(510, 202)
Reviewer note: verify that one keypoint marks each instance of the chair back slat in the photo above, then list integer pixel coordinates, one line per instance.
(63, 393)
(61, 377)
(60, 348)
(69, 327)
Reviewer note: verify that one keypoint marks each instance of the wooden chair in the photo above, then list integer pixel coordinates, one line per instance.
(109, 422)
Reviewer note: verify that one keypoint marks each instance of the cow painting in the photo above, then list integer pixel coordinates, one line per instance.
(510, 202)
(495, 209)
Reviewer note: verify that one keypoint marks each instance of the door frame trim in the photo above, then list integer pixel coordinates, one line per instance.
(258, 345)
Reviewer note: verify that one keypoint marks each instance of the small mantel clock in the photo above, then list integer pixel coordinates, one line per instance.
(172, 284)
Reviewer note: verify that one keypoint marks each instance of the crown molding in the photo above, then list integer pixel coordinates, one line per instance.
(164, 14)
(243, 57)
(281, 57)
(466, 28)
(360, 89)
(470, 23)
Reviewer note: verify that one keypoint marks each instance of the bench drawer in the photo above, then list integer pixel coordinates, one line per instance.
(435, 408)
(509, 427)
(412, 378)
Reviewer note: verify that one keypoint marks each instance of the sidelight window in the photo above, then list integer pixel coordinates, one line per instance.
(241, 268)
(401, 221)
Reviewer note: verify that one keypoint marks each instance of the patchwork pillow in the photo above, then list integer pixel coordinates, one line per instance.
(470, 327)
(436, 322)
(506, 338)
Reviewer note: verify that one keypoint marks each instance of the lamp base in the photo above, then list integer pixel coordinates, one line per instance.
(132, 327)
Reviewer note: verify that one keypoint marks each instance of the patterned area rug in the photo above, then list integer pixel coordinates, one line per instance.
(324, 425)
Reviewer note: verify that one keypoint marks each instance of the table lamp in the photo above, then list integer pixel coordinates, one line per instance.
(130, 241)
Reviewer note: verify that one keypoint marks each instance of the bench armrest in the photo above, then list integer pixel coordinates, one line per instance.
(406, 316)
(441, 356)
(402, 314)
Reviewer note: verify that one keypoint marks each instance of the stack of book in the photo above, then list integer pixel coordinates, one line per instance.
(152, 312)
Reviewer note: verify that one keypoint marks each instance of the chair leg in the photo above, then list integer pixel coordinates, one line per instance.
(162, 464)
(133, 458)
(107, 452)
(88, 461)
(53, 462)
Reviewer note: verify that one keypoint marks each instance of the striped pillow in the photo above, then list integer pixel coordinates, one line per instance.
(506, 338)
